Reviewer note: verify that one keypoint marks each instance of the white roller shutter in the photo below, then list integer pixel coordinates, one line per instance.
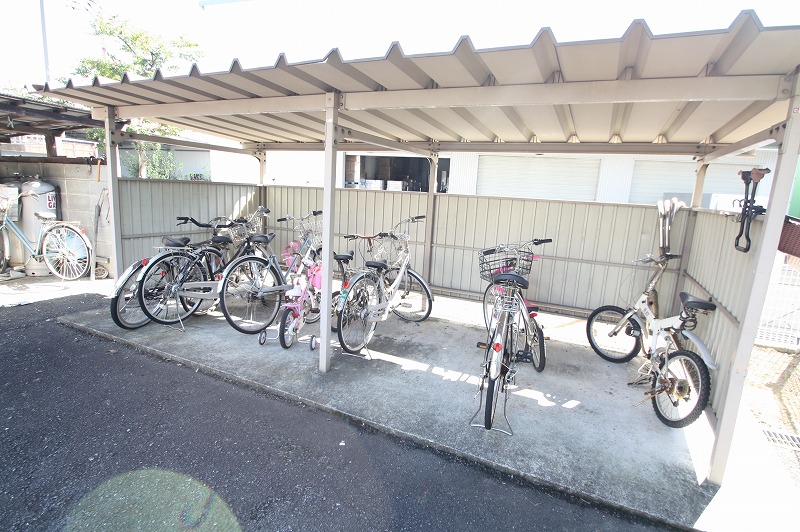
(538, 177)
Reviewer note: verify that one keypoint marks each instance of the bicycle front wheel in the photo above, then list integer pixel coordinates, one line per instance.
(620, 346)
(248, 297)
(3, 259)
(538, 349)
(125, 309)
(285, 330)
(65, 252)
(687, 386)
(413, 296)
(489, 297)
(355, 327)
(161, 282)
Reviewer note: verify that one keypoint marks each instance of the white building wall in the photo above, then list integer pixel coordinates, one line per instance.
(614, 182)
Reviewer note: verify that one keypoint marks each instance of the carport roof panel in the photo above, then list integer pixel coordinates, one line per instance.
(496, 94)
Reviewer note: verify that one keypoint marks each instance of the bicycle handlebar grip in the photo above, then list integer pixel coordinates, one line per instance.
(281, 220)
(538, 241)
(384, 235)
(418, 218)
(489, 251)
(182, 220)
(349, 237)
(316, 213)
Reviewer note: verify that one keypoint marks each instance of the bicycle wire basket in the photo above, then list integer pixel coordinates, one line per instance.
(509, 258)
(312, 230)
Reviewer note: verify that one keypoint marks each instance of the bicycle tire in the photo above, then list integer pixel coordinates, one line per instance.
(334, 314)
(624, 345)
(692, 386)
(355, 329)
(214, 262)
(244, 309)
(160, 282)
(314, 314)
(538, 349)
(415, 295)
(489, 296)
(65, 252)
(493, 387)
(125, 309)
(285, 335)
(3, 259)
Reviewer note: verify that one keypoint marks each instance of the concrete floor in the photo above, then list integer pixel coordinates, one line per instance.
(575, 425)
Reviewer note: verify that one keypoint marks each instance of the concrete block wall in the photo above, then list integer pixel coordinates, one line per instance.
(80, 189)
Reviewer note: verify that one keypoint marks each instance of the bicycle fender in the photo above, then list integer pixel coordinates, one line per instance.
(703, 350)
(496, 360)
(638, 319)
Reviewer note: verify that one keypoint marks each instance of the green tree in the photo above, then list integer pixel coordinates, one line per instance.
(131, 50)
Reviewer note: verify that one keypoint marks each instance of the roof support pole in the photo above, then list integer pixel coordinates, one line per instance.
(332, 139)
(433, 159)
(699, 181)
(112, 163)
(783, 179)
(262, 166)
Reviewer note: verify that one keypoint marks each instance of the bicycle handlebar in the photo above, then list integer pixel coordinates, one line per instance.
(289, 217)
(663, 259)
(187, 219)
(501, 247)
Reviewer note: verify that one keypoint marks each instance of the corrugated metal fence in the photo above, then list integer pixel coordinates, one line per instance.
(590, 262)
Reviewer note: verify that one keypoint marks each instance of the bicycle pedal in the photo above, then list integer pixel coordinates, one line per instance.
(313, 311)
(482, 345)
(522, 356)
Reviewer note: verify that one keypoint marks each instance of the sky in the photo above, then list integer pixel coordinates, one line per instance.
(256, 32)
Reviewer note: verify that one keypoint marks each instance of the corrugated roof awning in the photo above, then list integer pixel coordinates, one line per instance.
(686, 93)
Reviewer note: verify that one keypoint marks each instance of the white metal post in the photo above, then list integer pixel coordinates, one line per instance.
(783, 179)
(332, 136)
(433, 159)
(112, 163)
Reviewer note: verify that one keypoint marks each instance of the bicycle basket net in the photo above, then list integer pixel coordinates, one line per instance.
(509, 258)
(313, 230)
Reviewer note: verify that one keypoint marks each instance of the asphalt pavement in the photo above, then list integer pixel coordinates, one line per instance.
(96, 434)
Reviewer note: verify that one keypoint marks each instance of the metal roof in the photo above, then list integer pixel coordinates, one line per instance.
(34, 115)
(672, 93)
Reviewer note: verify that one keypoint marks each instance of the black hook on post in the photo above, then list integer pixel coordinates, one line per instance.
(749, 208)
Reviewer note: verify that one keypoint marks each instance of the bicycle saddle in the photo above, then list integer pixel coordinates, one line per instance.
(690, 301)
(222, 239)
(378, 265)
(346, 257)
(513, 278)
(262, 239)
(175, 241)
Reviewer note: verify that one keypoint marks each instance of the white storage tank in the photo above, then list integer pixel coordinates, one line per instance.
(37, 196)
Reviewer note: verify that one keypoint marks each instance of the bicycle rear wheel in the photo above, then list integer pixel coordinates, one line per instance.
(160, 283)
(355, 328)
(65, 252)
(247, 296)
(621, 346)
(688, 387)
(413, 295)
(125, 309)
(493, 387)
(489, 297)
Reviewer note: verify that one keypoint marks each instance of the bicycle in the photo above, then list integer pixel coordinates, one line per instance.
(126, 312)
(512, 335)
(252, 287)
(680, 379)
(176, 282)
(618, 335)
(300, 307)
(61, 245)
(382, 288)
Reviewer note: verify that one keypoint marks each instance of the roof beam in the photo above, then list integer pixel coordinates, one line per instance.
(120, 136)
(738, 88)
(768, 136)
